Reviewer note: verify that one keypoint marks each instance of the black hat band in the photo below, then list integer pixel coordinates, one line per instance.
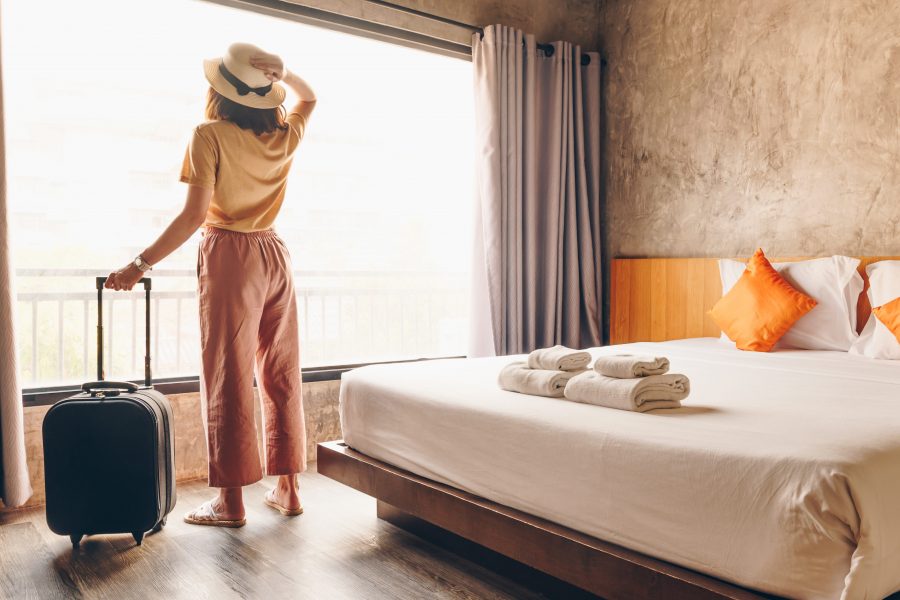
(242, 88)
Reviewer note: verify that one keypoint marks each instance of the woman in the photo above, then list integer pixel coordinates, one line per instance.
(236, 169)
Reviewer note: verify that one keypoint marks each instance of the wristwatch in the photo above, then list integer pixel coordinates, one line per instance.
(142, 264)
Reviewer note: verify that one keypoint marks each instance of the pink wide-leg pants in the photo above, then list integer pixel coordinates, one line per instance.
(248, 322)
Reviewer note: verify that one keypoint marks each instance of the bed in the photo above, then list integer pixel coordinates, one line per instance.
(781, 474)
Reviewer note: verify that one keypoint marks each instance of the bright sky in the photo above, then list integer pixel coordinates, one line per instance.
(100, 103)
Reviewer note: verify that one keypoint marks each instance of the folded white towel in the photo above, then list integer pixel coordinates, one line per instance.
(517, 377)
(559, 358)
(640, 394)
(626, 366)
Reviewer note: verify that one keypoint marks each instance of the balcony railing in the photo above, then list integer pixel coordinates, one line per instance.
(345, 317)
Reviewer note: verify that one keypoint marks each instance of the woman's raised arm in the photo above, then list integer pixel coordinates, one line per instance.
(306, 95)
(273, 67)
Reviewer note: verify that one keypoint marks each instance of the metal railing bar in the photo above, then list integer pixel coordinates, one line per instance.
(429, 300)
(371, 324)
(402, 323)
(62, 346)
(86, 304)
(34, 338)
(305, 313)
(178, 334)
(156, 332)
(340, 320)
(108, 361)
(415, 324)
(356, 327)
(133, 334)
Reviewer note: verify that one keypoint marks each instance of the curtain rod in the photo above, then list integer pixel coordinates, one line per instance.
(548, 49)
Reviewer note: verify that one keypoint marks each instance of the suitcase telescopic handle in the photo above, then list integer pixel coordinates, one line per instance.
(148, 375)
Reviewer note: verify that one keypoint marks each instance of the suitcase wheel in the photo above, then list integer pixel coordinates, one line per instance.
(158, 527)
(76, 540)
(138, 536)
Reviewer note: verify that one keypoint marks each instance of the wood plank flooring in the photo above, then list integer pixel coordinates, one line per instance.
(336, 549)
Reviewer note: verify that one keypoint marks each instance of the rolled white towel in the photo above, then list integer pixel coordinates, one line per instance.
(517, 377)
(559, 358)
(639, 394)
(627, 366)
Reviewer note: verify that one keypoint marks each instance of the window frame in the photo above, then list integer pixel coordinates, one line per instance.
(48, 395)
(359, 26)
(45, 396)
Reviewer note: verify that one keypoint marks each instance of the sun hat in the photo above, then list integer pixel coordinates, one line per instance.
(235, 78)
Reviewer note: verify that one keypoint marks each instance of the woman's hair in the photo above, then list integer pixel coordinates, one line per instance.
(260, 120)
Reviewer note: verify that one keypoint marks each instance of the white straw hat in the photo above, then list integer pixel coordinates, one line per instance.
(235, 78)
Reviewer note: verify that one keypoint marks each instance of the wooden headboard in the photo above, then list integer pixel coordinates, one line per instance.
(658, 299)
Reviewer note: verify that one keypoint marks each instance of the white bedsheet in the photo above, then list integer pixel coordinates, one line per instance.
(781, 472)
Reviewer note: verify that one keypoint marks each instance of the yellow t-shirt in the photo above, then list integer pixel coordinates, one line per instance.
(247, 173)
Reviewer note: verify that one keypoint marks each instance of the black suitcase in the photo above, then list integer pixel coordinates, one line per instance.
(109, 453)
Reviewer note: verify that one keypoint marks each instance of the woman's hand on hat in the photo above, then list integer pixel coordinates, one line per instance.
(270, 64)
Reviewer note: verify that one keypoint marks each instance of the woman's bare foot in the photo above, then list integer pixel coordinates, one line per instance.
(229, 504)
(226, 509)
(285, 497)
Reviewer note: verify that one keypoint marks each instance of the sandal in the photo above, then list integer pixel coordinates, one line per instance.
(205, 515)
(269, 499)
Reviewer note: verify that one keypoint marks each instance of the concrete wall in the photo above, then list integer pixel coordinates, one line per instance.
(739, 124)
(550, 20)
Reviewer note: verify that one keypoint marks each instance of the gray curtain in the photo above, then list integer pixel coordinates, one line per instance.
(15, 487)
(536, 274)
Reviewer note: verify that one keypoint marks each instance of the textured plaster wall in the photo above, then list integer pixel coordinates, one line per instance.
(748, 123)
(320, 403)
(550, 20)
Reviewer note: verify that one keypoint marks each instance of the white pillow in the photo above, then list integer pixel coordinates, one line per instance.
(876, 340)
(834, 283)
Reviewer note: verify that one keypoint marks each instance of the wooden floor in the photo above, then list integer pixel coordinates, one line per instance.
(336, 549)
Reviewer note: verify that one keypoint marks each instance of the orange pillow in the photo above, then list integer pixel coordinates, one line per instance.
(889, 314)
(761, 307)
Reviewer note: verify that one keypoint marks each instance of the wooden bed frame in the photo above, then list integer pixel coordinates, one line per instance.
(651, 300)
(604, 569)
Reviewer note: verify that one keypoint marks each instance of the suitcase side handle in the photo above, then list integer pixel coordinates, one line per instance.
(92, 386)
(148, 376)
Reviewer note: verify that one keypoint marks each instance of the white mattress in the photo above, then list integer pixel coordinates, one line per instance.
(781, 472)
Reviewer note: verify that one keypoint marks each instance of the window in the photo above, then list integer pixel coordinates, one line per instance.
(98, 118)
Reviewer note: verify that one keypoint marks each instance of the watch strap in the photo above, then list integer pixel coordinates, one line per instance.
(142, 264)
